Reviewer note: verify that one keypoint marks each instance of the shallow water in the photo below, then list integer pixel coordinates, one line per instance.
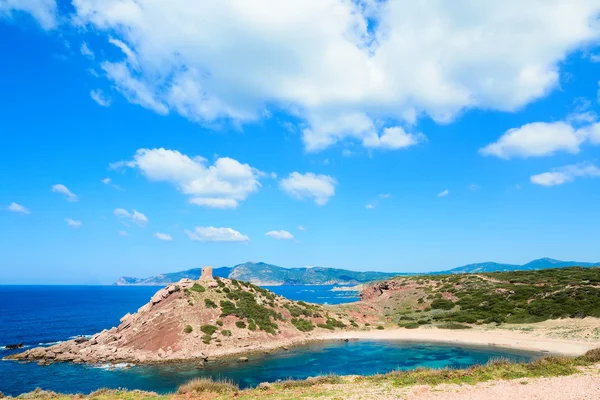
(365, 357)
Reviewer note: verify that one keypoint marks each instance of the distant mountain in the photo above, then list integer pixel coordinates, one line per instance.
(268, 275)
(271, 275)
(542, 263)
(165, 279)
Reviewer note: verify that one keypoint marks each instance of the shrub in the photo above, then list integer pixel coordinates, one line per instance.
(226, 332)
(453, 325)
(302, 324)
(380, 327)
(203, 385)
(220, 322)
(442, 304)
(208, 329)
(206, 339)
(252, 326)
(188, 329)
(240, 324)
(198, 288)
(209, 303)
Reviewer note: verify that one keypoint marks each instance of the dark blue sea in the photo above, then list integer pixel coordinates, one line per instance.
(44, 315)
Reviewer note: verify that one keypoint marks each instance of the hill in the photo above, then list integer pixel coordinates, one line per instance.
(496, 297)
(272, 275)
(542, 263)
(269, 275)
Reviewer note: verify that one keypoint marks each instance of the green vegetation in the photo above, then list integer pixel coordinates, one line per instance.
(198, 288)
(188, 329)
(206, 338)
(209, 329)
(240, 324)
(380, 327)
(247, 307)
(302, 324)
(331, 324)
(226, 332)
(210, 304)
(452, 325)
(207, 385)
(499, 297)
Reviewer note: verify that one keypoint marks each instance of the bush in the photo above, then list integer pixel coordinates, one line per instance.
(380, 327)
(442, 304)
(206, 339)
(453, 325)
(198, 288)
(252, 326)
(209, 303)
(220, 322)
(226, 332)
(188, 329)
(204, 385)
(240, 324)
(208, 329)
(302, 324)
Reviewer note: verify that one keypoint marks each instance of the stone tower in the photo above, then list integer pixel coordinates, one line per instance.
(206, 274)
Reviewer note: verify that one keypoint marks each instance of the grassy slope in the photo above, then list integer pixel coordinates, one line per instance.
(513, 297)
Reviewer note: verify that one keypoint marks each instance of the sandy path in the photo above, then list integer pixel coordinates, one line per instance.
(500, 338)
(574, 387)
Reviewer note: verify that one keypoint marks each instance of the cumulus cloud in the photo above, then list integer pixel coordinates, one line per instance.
(221, 185)
(319, 188)
(99, 97)
(62, 189)
(347, 69)
(280, 235)
(163, 236)
(44, 11)
(443, 193)
(134, 216)
(565, 174)
(534, 140)
(212, 234)
(73, 223)
(15, 207)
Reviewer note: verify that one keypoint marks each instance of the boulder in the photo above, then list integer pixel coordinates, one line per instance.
(50, 355)
(264, 386)
(14, 346)
(243, 359)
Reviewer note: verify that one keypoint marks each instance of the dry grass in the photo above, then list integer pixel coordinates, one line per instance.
(202, 385)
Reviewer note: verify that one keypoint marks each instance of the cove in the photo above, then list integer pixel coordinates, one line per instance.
(364, 357)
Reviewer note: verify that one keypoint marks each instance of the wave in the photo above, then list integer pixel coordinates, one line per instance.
(113, 366)
(50, 343)
(80, 336)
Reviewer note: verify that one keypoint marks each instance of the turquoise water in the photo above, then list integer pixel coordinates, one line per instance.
(344, 358)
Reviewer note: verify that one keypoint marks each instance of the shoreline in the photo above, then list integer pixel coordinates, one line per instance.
(475, 337)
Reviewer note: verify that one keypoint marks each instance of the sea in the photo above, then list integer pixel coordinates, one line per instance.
(46, 315)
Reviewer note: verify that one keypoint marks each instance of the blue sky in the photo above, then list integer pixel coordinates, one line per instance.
(378, 135)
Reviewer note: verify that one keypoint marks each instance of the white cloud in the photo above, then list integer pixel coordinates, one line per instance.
(301, 228)
(443, 193)
(73, 223)
(373, 204)
(123, 233)
(534, 140)
(212, 234)
(99, 97)
(44, 11)
(280, 235)
(393, 138)
(370, 206)
(221, 185)
(14, 207)
(345, 68)
(163, 236)
(565, 174)
(309, 186)
(86, 51)
(62, 189)
(106, 181)
(473, 187)
(135, 217)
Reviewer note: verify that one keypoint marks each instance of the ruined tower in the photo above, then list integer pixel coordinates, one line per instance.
(206, 274)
